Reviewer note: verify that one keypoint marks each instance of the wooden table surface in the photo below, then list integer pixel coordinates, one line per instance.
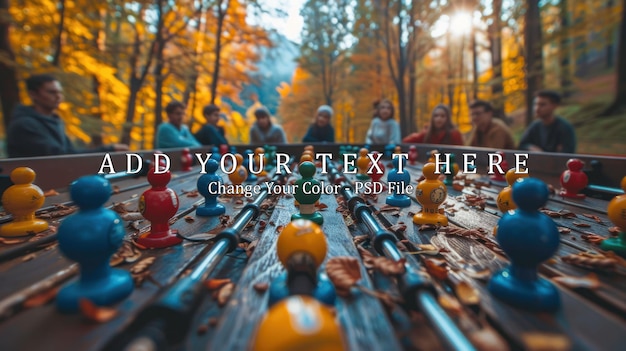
(589, 319)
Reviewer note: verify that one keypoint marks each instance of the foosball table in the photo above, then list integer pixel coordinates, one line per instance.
(300, 247)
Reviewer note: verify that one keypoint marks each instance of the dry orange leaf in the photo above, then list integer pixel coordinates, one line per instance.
(224, 293)
(590, 281)
(116, 189)
(50, 192)
(142, 265)
(321, 206)
(193, 193)
(614, 230)
(189, 219)
(96, 313)
(261, 287)
(581, 225)
(41, 298)
(450, 304)
(344, 272)
(546, 341)
(594, 217)
(389, 267)
(437, 271)
(11, 241)
(214, 284)
(563, 230)
(466, 293)
(487, 339)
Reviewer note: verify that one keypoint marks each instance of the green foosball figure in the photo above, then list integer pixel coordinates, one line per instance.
(307, 193)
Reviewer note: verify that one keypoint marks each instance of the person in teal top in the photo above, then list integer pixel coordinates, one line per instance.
(174, 133)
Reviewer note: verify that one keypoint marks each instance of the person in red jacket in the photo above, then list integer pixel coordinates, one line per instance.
(440, 130)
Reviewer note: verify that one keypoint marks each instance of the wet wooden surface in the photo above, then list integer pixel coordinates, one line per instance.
(588, 319)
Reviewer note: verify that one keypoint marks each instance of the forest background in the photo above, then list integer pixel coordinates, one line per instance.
(120, 62)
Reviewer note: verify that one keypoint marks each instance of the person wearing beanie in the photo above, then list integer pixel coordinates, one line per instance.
(263, 131)
(321, 130)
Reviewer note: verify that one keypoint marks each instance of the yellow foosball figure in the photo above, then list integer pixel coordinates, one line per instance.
(430, 193)
(22, 200)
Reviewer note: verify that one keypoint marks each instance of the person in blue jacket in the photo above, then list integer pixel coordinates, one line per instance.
(321, 130)
(174, 133)
(211, 133)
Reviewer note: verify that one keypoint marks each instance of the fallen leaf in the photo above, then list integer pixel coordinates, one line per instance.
(41, 298)
(581, 225)
(487, 339)
(224, 293)
(132, 216)
(594, 217)
(116, 260)
(466, 293)
(344, 272)
(563, 230)
(261, 287)
(251, 247)
(590, 260)
(537, 341)
(567, 214)
(321, 206)
(590, 281)
(279, 228)
(457, 186)
(435, 270)
(189, 219)
(120, 208)
(614, 230)
(389, 267)
(142, 265)
(427, 227)
(193, 193)
(202, 328)
(50, 193)
(96, 313)
(592, 238)
(450, 304)
(398, 228)
(359, 239)
(11, 241)
(214, 284)
(28, 257)
(116, 189)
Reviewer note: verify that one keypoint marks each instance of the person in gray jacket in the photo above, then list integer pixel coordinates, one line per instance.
(263, 131)
(37, 130)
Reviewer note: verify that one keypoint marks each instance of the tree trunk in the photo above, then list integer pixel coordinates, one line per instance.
(135, 85)
(56, 57)
(218, 47)
(9, 89)
(565, 50)
(534, 56)
(609, 41)
(158, 67)
(495, 42)
(619, 103)
(474, 65)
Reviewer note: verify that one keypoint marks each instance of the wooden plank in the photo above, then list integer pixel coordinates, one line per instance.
(361, 318)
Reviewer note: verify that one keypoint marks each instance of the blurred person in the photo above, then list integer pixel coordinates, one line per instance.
(174, 133)
(550, 133)
(263, 131)
(37, 130)
(383, 129)
(439, 131)
(321, 130)
(211, 133)
(488, 132)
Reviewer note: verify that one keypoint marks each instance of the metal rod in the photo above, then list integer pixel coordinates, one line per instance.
(453, 338)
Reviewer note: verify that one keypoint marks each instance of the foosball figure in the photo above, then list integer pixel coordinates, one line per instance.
(306, 157)
(186, 160)
(433, 156)
(239, 175)
(413, 154)
(573, 179)
(210, 179)
(22, 200)
(90, 237)
(399, 182)
(299, 323)
(246, 164)
(497, 176)
(376, 175)
(158, 205)
(301, 248)
(617, 214)
(505, 198)
(362, 164)
(306, 196)
(528, 237)
(215, 154)
(397, 150)
(455, 170)
(430, 193)
(389, 149)
(257, 161)
(224, 149)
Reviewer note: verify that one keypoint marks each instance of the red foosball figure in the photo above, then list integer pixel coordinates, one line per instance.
(186, 160)
(158, 205)
(573, 179)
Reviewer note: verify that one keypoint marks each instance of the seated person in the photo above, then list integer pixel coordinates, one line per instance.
(549, 133)
(37, 130)
(488, 131)
(174, 133)
(263, 131)
(211, 133)
(383, 129)
(321, 130)
(440, 130)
